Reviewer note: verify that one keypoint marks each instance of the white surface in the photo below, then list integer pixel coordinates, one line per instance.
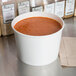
(4, 0)
(59, 8)
(8, 12)
(70, 7)
(38, 50)
(23, 7)
(32, 3)
(37, 9)
(49, 8)
(45, 2)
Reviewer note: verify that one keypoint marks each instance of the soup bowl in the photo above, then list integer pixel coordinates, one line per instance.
(38, 50)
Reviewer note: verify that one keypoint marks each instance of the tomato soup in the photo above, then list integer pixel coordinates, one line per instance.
(38, 26)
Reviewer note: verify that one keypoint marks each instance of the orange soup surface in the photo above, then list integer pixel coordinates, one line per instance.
(38, 26)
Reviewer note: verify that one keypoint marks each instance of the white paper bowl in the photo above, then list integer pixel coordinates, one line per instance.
(38, 50)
